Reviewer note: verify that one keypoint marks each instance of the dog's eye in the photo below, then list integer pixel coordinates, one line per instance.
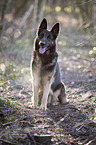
(42, 35)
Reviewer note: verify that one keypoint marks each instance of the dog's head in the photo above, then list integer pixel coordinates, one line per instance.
(45, 41)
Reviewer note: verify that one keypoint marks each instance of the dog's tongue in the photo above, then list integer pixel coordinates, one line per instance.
(42, 50)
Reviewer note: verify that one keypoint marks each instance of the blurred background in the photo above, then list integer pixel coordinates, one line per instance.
(76, 46)
(20, 19)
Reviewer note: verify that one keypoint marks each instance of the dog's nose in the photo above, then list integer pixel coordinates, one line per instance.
(42, 43)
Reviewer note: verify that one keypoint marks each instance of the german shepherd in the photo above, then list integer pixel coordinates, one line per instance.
(47, 85)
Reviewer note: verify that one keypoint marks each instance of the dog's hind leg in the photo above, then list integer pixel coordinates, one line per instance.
(62, 95)
(59, 93)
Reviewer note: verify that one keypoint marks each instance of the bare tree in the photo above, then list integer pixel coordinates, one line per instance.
(86, 11)
(27, 14)
(4, 7)
(34, 18)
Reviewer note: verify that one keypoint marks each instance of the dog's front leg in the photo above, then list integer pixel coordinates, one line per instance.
(35, 96)
(35, 89)
(45, 96)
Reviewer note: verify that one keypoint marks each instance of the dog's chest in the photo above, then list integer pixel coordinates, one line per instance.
(43, 69)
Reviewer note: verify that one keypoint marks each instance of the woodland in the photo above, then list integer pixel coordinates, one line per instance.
(73, 123)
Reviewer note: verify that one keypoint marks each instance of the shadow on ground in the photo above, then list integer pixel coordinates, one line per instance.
(64, 124)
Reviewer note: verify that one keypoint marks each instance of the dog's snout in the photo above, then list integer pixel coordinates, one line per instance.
(42, 43)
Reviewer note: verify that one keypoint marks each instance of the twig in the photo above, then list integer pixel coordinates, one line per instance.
(31, 136)
(85, 141)
(26, 122)
(62, 119)
(89, 142)
(9, 122)
(8, 127)
(9, 142)
(3, 131)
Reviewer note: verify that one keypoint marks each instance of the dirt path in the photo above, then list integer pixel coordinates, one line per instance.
(73, 123)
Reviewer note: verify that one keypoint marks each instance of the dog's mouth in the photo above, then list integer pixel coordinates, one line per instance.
(43, 47)
(42, 50)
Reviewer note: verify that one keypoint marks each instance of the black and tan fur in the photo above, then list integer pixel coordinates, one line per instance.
(47, 86)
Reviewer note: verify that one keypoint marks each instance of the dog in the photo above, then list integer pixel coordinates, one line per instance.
(47, 85)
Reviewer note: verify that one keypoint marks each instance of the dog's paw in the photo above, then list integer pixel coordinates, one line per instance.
(43, 107)
(33, 105)
(55, 103)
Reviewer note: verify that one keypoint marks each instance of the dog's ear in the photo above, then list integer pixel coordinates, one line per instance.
(42, 26)
(55, 30)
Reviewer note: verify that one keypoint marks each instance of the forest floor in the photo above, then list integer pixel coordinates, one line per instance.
(73, 123)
